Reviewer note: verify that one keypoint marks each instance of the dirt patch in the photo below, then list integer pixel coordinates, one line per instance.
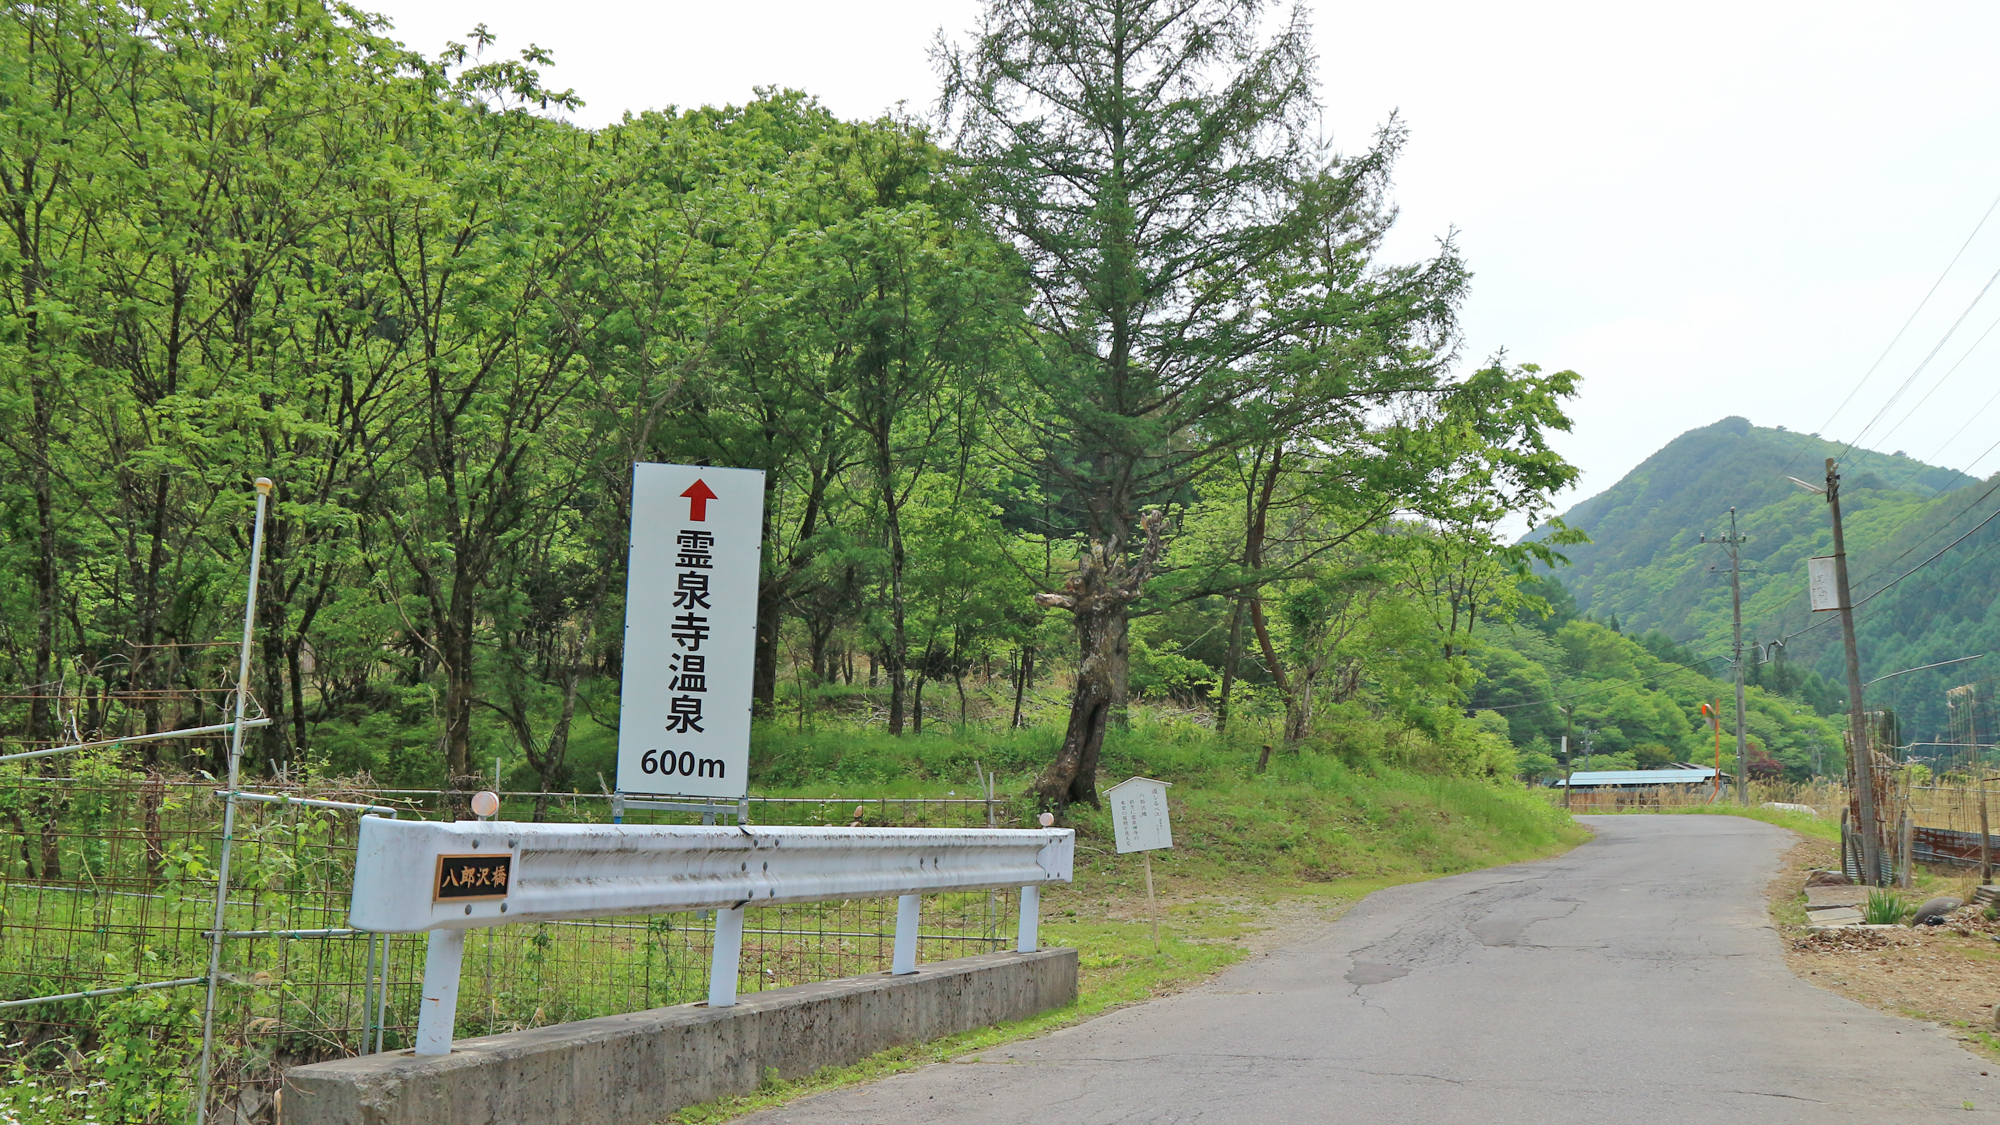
(1280, 923)
(1948, 975)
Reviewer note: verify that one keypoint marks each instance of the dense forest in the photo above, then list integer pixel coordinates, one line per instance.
(1647, 566)
(1093, 382)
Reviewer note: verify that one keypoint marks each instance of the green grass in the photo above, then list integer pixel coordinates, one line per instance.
(1311, 817)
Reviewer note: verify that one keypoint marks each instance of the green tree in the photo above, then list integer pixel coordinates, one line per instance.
(1153, 165)
(480, 240)
(902, 317)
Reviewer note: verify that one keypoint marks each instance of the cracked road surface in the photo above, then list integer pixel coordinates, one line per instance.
(1636, 979)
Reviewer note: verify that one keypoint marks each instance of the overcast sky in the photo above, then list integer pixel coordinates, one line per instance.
(1704, 210)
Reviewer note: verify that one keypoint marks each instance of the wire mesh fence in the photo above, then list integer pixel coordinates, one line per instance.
(108, 883)
(1954, 805)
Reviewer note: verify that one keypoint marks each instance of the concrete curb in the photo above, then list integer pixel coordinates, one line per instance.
(638, 1068)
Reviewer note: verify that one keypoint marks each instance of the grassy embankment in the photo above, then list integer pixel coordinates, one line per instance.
(1312, 830)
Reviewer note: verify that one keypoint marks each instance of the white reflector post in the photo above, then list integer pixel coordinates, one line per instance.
(725, 957)
(1031, 920)
(904, 962)
(439, 1009)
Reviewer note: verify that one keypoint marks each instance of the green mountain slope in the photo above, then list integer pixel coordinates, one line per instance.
(1647, 568)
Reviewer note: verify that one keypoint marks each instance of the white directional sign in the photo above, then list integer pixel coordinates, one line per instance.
(1139, 815)
(690, 630)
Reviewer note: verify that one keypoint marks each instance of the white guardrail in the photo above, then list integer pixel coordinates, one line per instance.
(411, 876)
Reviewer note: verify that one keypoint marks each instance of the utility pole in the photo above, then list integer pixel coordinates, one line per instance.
(1857, 718)
(1732, 541)
(1713, 711)
(1569, 770)
(1979, 764)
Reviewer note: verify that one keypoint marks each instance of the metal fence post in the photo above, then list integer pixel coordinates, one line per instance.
(439, 1010)
(1031, 920)
(382, 999)
(904, 962)
(368, 1001)
(264, 487)
(723, 958)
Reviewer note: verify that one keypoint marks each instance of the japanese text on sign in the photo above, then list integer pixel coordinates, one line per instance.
(465, 878)
(690, 630)
(1822, 583)
(1139, 815)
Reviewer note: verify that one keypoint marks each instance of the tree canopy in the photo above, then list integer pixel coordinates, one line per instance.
(1112, 334)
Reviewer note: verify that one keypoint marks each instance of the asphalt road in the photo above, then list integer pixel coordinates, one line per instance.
(1635, 979)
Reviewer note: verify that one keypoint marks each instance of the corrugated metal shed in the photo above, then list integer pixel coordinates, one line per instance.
(1620, 779)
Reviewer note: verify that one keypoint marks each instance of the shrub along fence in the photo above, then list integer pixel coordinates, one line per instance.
(107, 888)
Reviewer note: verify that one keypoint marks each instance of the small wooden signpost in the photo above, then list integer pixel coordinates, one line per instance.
(1139, 822)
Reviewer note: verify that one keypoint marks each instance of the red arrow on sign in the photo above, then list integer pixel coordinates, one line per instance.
(698, 496)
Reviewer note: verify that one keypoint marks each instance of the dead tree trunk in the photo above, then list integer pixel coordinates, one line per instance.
(1022, 673)
(1099, 594)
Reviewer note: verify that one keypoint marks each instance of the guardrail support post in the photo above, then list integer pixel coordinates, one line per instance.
(905, 960)
(439, 1010)
(1031, 920)
(723, 961)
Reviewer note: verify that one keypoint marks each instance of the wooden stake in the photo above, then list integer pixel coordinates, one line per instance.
(1152, 907)
(1985, 846)
(1905, 874)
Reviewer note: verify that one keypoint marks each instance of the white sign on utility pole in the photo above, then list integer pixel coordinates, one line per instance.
(690, 630)
(1822, 584)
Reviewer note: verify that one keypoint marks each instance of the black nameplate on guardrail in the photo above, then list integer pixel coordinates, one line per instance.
(465, 878)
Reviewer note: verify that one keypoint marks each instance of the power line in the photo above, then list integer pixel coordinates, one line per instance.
(1969, 560)
(1956, 473)
(1885, 589)
(1914, 547)
(1870, 373)
(1932, 354)
(1923, 668)
(1918, 545)
(1610, 685)
(1954, 437)
(1929, 561)
(1942, 379)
